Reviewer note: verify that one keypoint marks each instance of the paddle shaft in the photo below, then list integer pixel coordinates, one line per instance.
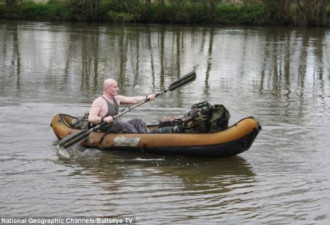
(81, 135)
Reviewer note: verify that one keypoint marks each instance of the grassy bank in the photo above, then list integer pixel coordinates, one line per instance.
(134, 11)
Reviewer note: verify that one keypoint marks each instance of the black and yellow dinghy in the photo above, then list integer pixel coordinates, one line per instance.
(232, 141)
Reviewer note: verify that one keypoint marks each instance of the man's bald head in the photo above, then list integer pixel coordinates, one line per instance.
(109, 83)
(110, 88)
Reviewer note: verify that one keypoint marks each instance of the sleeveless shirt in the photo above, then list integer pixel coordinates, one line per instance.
(113, 108)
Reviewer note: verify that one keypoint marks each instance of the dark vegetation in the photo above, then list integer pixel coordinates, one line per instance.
(249, 12)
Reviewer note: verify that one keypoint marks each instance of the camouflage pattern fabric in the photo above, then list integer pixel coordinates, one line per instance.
(219, 118)
(202, 118)
(197, 120)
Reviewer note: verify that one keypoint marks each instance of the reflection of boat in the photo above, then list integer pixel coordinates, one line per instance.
(200, 174)
(232, 141)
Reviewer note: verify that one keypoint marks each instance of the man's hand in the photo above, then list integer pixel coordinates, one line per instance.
(151, 97)
(108, 119)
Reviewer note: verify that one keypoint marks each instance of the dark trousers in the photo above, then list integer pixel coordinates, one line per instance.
(130, 126)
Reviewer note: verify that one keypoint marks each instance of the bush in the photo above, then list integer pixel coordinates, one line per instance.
(58, 10)
(31, 10)
(241, 14)
(196, 12)
(228, 13)
(122, 17)
(51, 10)
(2, 9)
(253, 14)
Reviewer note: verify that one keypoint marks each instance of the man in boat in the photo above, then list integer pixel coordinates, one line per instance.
(106, 106)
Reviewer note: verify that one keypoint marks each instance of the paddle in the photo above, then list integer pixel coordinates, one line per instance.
(81, 135)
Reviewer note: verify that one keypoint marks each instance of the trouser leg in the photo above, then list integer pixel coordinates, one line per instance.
(131, 126)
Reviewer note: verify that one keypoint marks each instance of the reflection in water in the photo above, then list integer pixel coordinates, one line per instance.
(148, 183)
(294, 61)
(73, 57)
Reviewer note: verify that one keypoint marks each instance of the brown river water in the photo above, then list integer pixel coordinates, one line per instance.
(279, 75)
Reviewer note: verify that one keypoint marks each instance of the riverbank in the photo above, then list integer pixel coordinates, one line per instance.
(188, 12)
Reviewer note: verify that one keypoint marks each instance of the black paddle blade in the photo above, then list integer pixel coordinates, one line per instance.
(73, 138)
(186, 79)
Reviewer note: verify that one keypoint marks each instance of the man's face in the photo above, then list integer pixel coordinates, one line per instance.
(113, 89)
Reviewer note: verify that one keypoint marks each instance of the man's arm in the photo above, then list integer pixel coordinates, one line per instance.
(94, 112)
(133, 100)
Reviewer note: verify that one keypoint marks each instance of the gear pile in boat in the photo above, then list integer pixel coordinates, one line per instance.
(201, 118)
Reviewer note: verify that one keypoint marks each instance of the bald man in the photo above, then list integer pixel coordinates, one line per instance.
(107, 106)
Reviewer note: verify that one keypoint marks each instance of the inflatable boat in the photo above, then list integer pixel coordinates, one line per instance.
(229, 142)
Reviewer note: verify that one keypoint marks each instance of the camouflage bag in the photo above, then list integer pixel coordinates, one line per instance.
(197, 120)
(219, 118)
(202, 118)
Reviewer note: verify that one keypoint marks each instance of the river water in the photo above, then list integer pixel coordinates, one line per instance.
(279, 75)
